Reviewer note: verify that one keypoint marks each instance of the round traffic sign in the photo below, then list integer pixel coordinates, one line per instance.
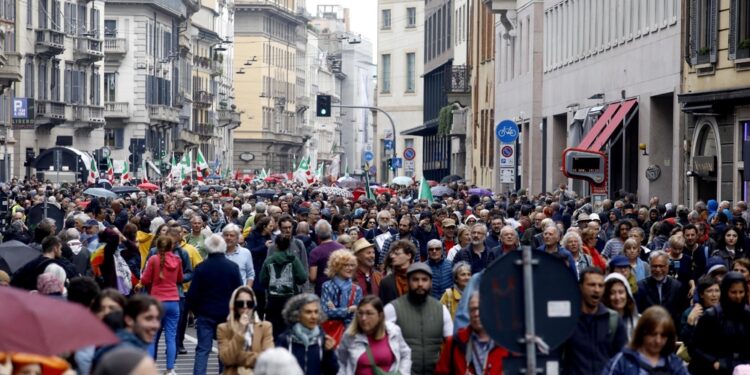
(410, 153)
(369, 156)
(557, 300)
(507, 131)
(507, 151)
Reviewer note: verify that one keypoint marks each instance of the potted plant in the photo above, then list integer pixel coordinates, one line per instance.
(743, 49)
(704, 51)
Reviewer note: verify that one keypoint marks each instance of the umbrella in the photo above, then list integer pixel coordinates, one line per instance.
(439, 191)
(349, 182)
(16, 254)
(99, 193)
(125, 190)
(48, 326)
(451, 178)
(432, 183)
(335, 191)
(266, 193)
(104, 183)
(402, 180)
(212, 177)
(480, 192)
(206, 188)
(148, 186)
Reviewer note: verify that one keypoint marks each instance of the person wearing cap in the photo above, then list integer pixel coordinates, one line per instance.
(620, 264)
(423, 320)
(449, 233)
(91, 238)
(367, 276)
(660, 289)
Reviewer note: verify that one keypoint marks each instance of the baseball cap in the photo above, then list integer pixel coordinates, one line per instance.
(449, 223)
(419, 267)
(91, 223)
(619, 261)
(594, 217)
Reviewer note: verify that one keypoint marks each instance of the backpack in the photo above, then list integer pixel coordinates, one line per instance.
(613, 320)
(281, 284)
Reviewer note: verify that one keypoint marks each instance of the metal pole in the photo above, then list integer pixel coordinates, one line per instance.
(528, 301)
(393, 125)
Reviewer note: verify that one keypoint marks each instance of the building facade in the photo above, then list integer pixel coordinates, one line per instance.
(265, 58)
(582, 89)
(400, 87)
(715, 99)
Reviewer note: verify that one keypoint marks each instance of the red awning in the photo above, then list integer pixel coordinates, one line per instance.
(601, 123)
(617, 119)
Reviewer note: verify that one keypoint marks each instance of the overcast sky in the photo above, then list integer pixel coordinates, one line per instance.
(363, 15)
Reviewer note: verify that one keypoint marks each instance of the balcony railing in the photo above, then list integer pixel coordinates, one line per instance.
(204, 130)
(228, 117)
(89, 49)
(459, 80)
(116, 109)
(203, 98)
(11, 71)
(164, 113)
(50, 42)
(115, 46)
(50, 110)
(89, 114)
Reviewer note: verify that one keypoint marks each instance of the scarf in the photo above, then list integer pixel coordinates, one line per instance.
(217, 225)
(345, 290)
(305, 335)
(402, 284)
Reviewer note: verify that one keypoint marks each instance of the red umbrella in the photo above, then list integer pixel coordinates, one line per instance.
(148, 186)
(47, 326)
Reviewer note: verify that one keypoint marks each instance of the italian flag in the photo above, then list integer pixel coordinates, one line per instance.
(200, 165)
(125, 176)
(110, 171)
(93, 172)
(186, 167)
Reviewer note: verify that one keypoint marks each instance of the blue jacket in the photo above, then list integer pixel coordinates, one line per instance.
(629, 362)
(127, 339)
(313, 359)
(592, 343)
(442, 276)
(214, 281)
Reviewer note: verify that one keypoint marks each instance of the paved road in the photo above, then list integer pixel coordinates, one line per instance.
(184, 364)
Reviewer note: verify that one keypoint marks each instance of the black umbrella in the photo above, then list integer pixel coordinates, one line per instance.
(125, 190)
(16, 254)
(206, 188)
(451, 178)
(266, 193)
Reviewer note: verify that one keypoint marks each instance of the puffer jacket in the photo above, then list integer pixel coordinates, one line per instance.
(353, 347)
(628, 362)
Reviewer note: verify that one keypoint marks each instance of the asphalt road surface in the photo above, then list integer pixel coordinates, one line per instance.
(184, 364)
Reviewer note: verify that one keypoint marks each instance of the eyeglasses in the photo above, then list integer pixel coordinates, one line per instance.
(240, 304)
(435, 249)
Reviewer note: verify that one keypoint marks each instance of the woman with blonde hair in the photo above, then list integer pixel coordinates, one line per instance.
(243, 337)
(463, 238)
(371, 345)
(340, 294)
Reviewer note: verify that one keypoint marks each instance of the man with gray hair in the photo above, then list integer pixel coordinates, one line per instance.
(659, 289)
(238, 254)
(551, 236)
(81, 257)
(260, 208)
(319, 256)
(214, 281)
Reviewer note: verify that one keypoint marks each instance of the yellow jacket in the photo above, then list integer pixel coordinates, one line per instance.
(144, 240)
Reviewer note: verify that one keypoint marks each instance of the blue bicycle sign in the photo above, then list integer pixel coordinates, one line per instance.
(506, 131)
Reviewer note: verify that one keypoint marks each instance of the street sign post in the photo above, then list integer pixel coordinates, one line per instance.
(507, 131)
(523, 318)
(398, 163)
(388, 144)
(369, 156)
(410, 153)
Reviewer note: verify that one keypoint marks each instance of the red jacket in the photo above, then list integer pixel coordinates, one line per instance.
(453, 356)
(163, 288)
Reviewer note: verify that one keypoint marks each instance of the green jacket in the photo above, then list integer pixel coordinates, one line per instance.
(282, 273)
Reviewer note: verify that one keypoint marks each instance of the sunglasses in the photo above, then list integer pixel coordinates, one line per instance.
(241, 304)
(435, 249)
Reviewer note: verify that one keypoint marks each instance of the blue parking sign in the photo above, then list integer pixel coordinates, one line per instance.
(398, 163)
(20, 108)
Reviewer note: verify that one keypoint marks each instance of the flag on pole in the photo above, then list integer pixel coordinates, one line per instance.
(368, 189)
(110, 171)
(263, 173)
(424, 190)
(200, 165)
(294, 163)
(93, 172)
(172, 170)
(185, 167)
(125, 176)
(303, 173)
(320, 171)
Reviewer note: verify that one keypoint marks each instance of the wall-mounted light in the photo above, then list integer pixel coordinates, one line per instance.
(599, 95)
(642, 147)
(241, 71)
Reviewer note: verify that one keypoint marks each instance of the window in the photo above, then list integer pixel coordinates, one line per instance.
(71, 18)
(114, 138)
(410, 72)
(96, 96)
(68, 82)
(110, 83)
(739, 30)
(42, 22)
(29, 14)
(411, 17)
(94, 27)
(54, 85)
(29, 78)
(703, 31)
(386, 74)
(42, 80)
(110, 28)
(54, 15)
(385, 16)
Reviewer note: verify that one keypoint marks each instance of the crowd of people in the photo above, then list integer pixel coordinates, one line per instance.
(302, 282)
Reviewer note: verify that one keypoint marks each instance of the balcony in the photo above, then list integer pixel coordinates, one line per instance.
(88, 49)
(307, 131)
(50, 42)
(204, 130)
(89, 114)
(228, 117)
(116, 110)
(10, 71)
(501, 5)
(458, 87)
(303, 103)
(163, 113)
(49, 112)
(202, 99)
(115, 47)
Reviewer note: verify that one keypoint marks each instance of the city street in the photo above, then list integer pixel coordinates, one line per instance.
(184, 364)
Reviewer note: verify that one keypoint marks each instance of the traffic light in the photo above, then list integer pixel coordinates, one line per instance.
(323, 108)
(389, 161)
